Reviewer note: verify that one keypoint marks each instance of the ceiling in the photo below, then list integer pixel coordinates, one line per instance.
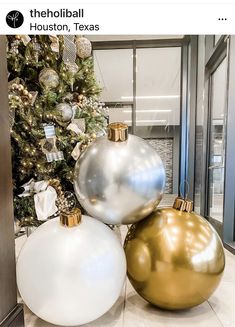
(96, 38)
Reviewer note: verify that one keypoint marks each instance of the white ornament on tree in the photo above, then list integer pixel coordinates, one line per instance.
(71, 275)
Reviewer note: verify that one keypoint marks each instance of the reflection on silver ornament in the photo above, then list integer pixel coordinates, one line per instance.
(77, 273)
(175, 258)
(119, 179)
(83, 47)
(66, 111)
(49, 78)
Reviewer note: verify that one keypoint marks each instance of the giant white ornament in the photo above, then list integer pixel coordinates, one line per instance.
(71, 275)
(119, 179)
(83, 47)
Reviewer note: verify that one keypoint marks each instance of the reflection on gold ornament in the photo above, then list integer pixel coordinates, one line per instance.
(175, 258)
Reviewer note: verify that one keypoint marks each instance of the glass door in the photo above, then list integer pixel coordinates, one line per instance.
(114, 71)
(217, 129)
(158, 95)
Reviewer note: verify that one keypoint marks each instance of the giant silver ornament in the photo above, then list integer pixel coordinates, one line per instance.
(49, 78)
(119, 179)
(66, 111)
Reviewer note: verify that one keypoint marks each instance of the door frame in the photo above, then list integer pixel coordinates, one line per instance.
(214, 56)
(229, 190)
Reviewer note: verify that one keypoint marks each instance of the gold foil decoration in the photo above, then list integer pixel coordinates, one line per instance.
(71, 218)
(183, 204)
(117, 132)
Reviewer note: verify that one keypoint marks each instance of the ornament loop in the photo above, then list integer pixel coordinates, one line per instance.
(71, 218)
(117, 132)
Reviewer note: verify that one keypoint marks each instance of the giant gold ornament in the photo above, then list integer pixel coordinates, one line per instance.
(72, 272)
(175, 258)
(49, 78)
(119, 179)
(83, 47)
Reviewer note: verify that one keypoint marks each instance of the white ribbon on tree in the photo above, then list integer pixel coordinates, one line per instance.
(69, 53)
(77, 125)
(45, 197)
(76, 151)
(45, 203)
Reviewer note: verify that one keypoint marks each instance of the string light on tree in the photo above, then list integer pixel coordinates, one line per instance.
(39, 80)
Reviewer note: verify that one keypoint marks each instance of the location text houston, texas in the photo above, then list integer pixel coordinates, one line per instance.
(51, 17)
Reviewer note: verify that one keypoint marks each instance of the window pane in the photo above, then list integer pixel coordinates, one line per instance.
(216, 39)
(114, 71)
(158, 87)
(217, 144)
(158, 107)
(199, 123)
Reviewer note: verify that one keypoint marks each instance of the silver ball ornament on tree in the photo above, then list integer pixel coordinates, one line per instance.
(72, 68)
(48, 78)
(83, 47)
(119, 179)
(77, 273)
(66, 111)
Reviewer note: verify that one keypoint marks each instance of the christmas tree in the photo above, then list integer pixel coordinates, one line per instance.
(54, 113)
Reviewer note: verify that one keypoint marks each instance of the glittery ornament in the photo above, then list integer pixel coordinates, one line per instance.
(49, 78)
(66, 111)
(83, 47)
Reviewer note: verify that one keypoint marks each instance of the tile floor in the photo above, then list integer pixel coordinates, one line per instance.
(132, 311)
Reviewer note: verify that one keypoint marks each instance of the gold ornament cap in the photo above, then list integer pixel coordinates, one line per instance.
(183, 204)
(117, 132)
(71, 218)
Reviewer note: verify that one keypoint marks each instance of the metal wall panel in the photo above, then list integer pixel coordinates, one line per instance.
(8, 300)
